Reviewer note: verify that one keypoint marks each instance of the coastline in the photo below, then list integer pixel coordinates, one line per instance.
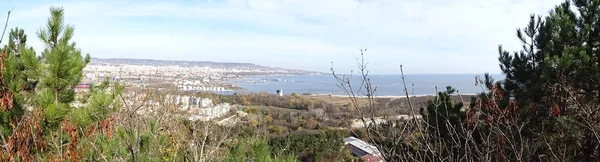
(392, 97)
(388, 85)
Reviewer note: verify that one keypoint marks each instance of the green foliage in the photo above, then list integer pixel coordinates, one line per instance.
(441, 112)
(277, 129)
(551, 85)
(559, 55)
(236, 153)
(312, 146)
(255, 149)
(265, 99)
(251, 110)
(115, 148)
(102, 146)
(103, 100)
(21, 64)
(19, 74)
(551, 88)
(63, 67)
(58, 70)
(53, 113)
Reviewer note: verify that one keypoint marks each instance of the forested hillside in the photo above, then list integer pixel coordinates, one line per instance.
(546, 108)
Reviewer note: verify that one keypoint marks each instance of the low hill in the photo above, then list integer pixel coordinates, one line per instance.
(220, 65)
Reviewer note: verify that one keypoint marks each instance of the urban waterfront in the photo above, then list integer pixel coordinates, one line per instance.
(387, 85)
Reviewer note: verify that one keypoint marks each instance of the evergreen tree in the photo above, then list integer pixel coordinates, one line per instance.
(24, 60)
(254, 149)
(559, 56)
(554, 81)
(442, 113)
(63, 67)
(19, 75)
(58, 70)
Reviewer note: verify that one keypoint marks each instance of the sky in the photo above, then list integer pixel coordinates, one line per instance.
(425, 36)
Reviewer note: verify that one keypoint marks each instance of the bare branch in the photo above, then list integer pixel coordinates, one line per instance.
(5, 25)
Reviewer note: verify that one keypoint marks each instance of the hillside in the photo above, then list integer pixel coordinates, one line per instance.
(220, 65)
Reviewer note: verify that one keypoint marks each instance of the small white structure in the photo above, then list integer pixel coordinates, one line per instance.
(185, 101)
(168, 99)
(177, 100)
(206, 102)
(280, 92)
(209, 113)
(360, 148)
(241, 113)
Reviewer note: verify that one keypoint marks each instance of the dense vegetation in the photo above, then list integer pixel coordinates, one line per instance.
(322, 145)
(45, 119)
(545, 110)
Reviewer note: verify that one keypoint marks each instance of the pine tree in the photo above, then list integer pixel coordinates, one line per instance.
(254, 149)
(62, 67)
(19, 75)
(559, 56)
(555, 78)
(58, 70)
(442, 114)
(22, 63)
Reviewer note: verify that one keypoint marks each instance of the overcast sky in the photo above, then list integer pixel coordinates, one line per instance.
(426, 36)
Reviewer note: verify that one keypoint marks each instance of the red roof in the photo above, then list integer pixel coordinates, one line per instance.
(370, 158)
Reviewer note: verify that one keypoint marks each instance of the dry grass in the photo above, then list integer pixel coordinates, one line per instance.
(397, 103)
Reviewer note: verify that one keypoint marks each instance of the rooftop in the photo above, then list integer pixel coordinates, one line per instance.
(360, 144)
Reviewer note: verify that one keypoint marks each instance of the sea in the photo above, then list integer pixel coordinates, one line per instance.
(386, 85)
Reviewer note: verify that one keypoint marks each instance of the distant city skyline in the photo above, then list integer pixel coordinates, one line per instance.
(427, 37)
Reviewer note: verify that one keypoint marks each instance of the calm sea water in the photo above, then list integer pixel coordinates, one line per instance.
(387, 85)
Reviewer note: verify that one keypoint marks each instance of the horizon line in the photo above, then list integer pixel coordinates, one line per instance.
(322, 73)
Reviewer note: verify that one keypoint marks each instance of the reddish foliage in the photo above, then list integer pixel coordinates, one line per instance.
(493, 114)
(471, 118)
(2, 59)
(533, 106)
(497, 92)
(555, 111)
(90, 131)
(27, 136)
(71, 151)
(25, 139)
(6, 97)
(106, 125)
(102, 125)
(512, 106)
(501, 151)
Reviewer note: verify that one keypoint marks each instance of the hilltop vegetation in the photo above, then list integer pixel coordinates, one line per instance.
(545, 110)
(45, 119)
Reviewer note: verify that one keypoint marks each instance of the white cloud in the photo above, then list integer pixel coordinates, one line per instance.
(427, 36)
